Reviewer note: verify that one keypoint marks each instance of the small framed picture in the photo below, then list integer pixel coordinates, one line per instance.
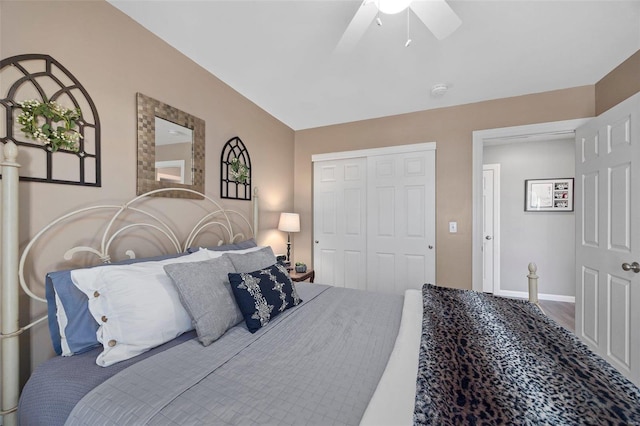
(548, 195)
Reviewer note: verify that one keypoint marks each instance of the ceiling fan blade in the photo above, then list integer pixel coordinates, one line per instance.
(441, 20)
(357, 27)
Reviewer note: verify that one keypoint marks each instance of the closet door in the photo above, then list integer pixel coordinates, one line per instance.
(339, 203)
(401, 221)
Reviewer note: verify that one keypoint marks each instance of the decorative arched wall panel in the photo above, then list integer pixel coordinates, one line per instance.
(231, 186)
(40, 77)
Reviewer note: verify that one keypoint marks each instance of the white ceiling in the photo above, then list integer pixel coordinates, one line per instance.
(279, 54)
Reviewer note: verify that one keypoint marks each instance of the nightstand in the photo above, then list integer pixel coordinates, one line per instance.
(301, 276)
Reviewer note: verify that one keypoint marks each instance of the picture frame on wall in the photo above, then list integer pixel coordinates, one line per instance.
(548, 195)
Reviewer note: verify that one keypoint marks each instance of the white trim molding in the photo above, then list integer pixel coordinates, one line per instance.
(541, 296)
(397, 149)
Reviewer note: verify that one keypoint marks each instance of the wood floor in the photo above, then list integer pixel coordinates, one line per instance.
(561, 312)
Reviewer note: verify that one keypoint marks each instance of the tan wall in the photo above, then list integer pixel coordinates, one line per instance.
(451, 128)
(113, 57)
(621, 83)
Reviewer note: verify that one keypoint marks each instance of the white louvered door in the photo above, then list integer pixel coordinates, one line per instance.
(608, 236)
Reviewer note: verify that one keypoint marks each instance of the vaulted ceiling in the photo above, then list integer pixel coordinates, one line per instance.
(280, 54)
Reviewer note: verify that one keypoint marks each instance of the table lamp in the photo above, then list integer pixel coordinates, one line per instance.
(289, 222)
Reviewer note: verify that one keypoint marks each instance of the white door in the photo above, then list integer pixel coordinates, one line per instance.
(491, 228)
(339, 255)
(608, 236)
(401, 221)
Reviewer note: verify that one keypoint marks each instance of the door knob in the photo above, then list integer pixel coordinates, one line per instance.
(635, 267)
(488, 237)
(317, 241)
(430, 247)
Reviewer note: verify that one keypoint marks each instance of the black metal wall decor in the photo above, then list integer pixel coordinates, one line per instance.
(42, 78)
(235, 170)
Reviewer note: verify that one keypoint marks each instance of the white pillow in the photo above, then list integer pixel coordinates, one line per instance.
(137, 306)
(61, 316)
(214, 254)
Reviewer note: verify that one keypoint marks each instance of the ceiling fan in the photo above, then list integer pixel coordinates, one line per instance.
(437, 15)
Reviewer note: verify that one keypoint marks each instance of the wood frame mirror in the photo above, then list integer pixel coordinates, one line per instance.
(149, 110)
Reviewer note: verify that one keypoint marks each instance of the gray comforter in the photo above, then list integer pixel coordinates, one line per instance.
(318, 363)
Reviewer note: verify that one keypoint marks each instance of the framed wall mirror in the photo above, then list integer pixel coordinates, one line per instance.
(170, 149)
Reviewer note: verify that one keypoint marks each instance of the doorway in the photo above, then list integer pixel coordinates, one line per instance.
(481, 137)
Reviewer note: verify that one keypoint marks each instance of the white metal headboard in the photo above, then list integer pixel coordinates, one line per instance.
(13, 274)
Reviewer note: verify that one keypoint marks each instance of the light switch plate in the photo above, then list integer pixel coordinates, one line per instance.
(453, 227)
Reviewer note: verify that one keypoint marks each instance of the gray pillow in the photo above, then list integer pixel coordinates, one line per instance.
(252, 261)
(206, 295)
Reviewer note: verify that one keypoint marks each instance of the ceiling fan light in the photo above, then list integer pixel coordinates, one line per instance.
(391, 7)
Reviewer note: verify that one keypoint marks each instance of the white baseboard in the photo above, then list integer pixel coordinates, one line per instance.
(541, 296)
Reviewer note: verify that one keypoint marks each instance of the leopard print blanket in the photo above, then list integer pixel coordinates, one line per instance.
(490, 360)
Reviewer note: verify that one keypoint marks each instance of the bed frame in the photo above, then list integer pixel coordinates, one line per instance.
(12, 264)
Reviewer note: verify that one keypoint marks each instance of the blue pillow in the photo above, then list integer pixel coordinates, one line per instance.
(242, 245)
(80, 331)
(262, 295)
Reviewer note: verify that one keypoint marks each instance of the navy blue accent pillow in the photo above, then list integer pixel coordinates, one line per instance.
(242, 245)
(263, 294)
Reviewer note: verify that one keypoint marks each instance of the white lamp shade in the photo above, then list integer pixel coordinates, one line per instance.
(289, 222)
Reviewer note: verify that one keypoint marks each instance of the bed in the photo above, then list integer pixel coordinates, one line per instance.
(220, 335)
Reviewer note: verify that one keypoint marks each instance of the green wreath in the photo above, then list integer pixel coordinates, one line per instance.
(239, 172)
(58, 130)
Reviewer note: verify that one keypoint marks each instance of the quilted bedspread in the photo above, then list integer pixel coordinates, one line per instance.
(318, 363)
(490, 360)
